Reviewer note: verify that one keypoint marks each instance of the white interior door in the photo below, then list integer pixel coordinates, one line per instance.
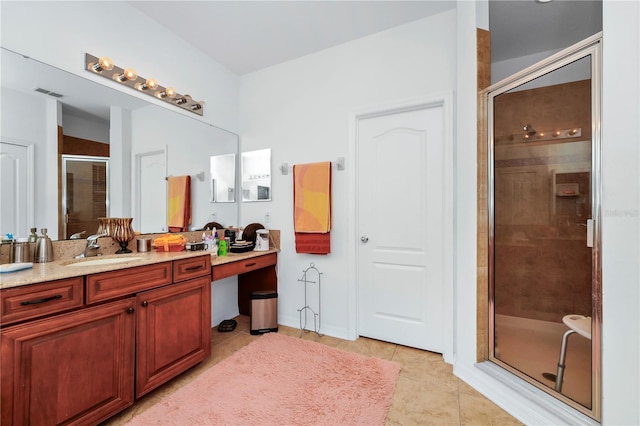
(151, 196)
(401, 224)
(16, 180)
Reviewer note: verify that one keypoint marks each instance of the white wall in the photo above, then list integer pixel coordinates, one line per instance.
(300, 109)
(85, 126)
(621, 213)
(24, 121)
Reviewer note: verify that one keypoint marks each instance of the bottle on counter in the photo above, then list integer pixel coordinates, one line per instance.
(33, 237)
(211, 242)
(222, 248)
(44, 248)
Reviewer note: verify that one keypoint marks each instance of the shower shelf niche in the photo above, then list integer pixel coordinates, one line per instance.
(567, 190)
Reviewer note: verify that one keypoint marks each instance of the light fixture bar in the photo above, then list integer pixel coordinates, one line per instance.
(551, 135)
(128, 77)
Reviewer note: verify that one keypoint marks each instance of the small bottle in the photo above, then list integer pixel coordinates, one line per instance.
(222, 248)
(33, 237)
(213, 246)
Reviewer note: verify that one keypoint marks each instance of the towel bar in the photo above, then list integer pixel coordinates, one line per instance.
(285, 168)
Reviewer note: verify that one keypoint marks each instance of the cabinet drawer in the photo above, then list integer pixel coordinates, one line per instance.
(36, 300)
(113, 284)
(219, 272)
(184, 269)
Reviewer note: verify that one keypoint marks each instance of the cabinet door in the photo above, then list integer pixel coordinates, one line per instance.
(74, 368)
(174, 331)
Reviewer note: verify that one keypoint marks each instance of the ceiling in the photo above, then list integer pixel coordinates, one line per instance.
(524, 27)
(247, 36)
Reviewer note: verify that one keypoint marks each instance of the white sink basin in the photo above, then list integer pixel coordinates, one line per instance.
(103, 261)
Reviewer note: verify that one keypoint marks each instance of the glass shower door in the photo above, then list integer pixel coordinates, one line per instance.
(85, 195)
(543, 266)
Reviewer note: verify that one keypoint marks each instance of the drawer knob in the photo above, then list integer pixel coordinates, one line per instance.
(44, 299)
(130, 310)
(145, 304)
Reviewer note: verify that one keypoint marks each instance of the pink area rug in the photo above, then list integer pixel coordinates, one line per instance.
(281, 380)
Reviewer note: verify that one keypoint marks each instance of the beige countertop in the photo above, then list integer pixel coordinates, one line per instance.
(60, 269)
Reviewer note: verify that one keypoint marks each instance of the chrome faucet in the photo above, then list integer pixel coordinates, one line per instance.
(91, 247)
(77, 235)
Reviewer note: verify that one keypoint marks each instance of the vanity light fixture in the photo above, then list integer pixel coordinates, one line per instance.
(129, 77)
(551, 135)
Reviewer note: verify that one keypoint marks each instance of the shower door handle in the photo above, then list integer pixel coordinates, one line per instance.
(589, 232)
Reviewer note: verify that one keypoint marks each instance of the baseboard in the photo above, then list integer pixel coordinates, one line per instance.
(294, 322)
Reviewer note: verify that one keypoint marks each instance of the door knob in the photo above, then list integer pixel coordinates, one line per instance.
(364, 239)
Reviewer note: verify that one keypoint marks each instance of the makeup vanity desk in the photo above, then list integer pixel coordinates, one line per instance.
(256, 270)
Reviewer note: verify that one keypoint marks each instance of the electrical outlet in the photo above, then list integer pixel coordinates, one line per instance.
(267, 217)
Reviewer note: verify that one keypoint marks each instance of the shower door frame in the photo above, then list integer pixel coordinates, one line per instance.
(591, 46)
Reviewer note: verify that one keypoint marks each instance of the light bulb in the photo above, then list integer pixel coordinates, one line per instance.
(128, 74)
(104, 63)
(169, 92)
(150, 83)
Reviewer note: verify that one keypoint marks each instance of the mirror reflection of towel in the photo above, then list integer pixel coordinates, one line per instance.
(179, 203)
(312, 207)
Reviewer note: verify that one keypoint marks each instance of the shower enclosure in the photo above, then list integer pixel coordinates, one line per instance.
(85, 194)
(544, 274)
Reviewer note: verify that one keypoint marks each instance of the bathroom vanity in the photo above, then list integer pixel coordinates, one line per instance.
(81, 343)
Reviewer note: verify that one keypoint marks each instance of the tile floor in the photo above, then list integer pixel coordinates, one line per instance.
(427, 392)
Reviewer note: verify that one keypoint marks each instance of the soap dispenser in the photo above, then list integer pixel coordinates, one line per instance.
(44, 248)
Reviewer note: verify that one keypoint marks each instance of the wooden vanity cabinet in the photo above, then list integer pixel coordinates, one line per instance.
(73, 368)
(82, 366)
(174, 325)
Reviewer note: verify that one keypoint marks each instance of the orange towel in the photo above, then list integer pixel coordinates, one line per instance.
(179, 203)
(312, 207)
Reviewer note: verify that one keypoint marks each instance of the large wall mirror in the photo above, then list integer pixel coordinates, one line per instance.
(256, 175)
(146, 143)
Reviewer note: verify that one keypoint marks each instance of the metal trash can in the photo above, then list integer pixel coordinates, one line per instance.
(264, 311)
